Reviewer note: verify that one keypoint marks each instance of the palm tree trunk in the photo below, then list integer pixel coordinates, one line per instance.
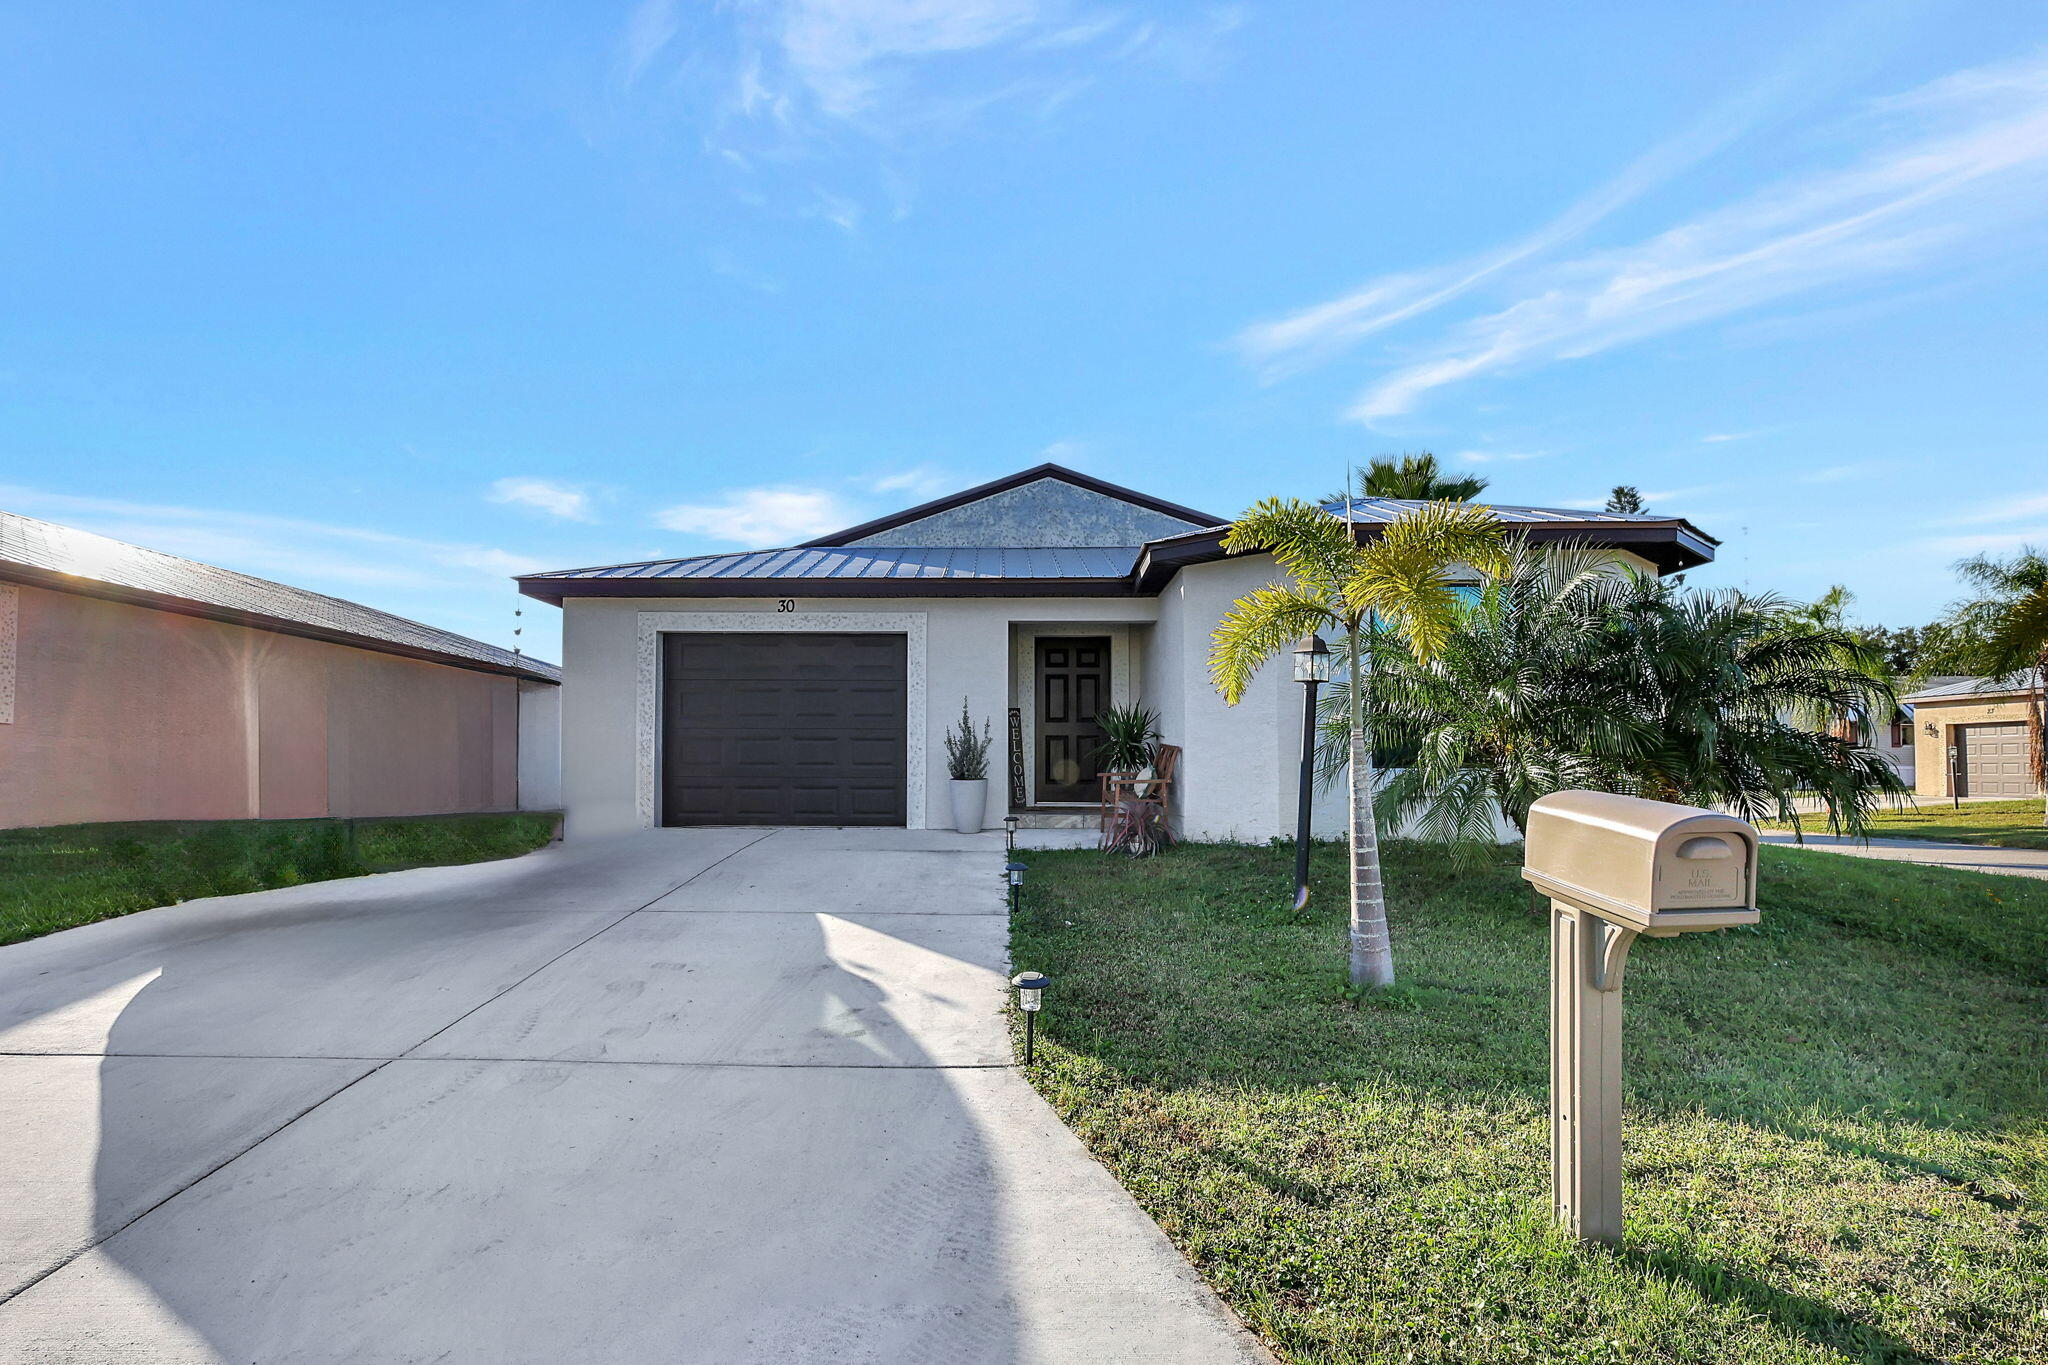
(1372, 954)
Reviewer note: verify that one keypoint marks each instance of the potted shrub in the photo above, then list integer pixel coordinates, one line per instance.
(1130, 736)
(967, 763)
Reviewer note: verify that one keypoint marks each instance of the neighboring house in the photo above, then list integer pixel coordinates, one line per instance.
(136, 685)
(1976, 737)
(812, 685)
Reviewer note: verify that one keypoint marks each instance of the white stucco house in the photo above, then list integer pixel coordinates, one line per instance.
(814, 684)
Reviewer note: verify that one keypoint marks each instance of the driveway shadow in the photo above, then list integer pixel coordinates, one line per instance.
(844, 1208)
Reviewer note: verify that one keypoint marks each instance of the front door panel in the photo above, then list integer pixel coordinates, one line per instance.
(1072, 685)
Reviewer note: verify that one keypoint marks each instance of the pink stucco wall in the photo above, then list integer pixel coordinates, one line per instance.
(127, 713)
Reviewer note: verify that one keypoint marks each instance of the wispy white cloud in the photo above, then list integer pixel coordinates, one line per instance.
(544, 495)
(801, 91)
(1836, 473)
(1498, 456)
(1989, 542)
(1956, 163)
(2019, 508)
(760, 517)
(1718, 437)
(302, 552)
(921, 483)
(1286, 344)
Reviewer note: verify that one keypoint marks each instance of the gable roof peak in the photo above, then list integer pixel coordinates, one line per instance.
(868, 530)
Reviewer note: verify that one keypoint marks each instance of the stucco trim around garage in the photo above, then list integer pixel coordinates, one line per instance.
(647, 699)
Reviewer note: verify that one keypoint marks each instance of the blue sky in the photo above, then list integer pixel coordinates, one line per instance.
(393, 300)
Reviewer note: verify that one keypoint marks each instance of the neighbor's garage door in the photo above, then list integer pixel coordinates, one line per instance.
(783, 729)
(1994, 760)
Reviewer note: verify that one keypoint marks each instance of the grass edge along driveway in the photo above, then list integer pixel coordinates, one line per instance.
(61, 876)
(1996, 824)
(1835, 1145)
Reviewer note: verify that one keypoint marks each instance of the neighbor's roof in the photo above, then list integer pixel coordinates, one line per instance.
(44, 554)
(1960, 689)
(827, 569)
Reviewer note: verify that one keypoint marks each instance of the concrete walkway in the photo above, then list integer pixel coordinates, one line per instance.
(2012, 862)
(715, 1096)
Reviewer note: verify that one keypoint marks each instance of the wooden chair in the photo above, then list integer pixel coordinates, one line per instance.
(1118, 788)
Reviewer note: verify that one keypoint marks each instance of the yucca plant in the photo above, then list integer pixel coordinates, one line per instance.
(1130, 738)
(1400, 579)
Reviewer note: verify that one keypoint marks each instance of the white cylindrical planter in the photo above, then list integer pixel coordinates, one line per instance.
(970, 804)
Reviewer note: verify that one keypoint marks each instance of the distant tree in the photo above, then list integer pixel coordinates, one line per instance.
(1624, 498)
(1416, 477)
(1903, 648)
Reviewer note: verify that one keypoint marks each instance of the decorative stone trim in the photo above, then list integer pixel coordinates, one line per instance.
(909, 624)
(10, 624)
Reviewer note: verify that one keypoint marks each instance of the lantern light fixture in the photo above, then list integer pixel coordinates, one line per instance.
(1030, 999)
(1313, 662)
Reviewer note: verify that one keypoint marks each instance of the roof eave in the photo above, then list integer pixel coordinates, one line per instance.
(235, 616)
(557, 590)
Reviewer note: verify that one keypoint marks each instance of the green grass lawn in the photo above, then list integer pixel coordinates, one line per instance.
(2006, 824)
(1837, 1122)
(65, 875)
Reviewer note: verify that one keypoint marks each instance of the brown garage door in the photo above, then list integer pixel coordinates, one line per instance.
(1993, 760)
(792, 729)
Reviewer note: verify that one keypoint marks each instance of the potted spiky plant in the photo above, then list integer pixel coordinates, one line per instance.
(967, 765)
(1130, 740)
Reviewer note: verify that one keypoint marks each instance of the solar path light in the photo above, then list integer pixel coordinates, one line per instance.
(1616, 867)
(1010, 832)
(1013, 872)
(1313, 666)
(1030, 996)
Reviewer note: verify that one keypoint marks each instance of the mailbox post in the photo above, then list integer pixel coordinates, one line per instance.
(1616, 867)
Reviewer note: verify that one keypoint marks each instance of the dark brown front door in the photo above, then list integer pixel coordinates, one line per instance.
(1073, 684)
(796, 729)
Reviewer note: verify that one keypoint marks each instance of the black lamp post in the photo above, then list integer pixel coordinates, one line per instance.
(1010, 833)
(1313, 666)
(1030, 988)
(1014, 871)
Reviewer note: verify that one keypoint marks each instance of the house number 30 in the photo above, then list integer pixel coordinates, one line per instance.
(785, 604)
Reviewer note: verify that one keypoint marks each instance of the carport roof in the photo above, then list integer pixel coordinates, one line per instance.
(66, 559)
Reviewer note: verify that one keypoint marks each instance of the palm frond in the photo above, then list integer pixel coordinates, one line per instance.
(1260, 625)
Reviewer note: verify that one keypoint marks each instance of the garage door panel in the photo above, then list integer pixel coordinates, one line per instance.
(1993, 760)
(783, 729)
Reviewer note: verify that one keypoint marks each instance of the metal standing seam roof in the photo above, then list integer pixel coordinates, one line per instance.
(2013, 685)
(878, 562)
(68, 559)
(1384, 511)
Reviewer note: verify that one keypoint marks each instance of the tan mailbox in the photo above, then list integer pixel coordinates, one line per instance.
(1653, 867)
(1615, 867)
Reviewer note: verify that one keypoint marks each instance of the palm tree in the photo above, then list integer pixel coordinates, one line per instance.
(1572, 671)
(1509, 709)
(1401, 581)
(1723, 679)
(2001, 632)
(1414, 477)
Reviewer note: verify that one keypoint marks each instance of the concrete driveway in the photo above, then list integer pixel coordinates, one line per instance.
(2010, 862)
(694, 1096)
